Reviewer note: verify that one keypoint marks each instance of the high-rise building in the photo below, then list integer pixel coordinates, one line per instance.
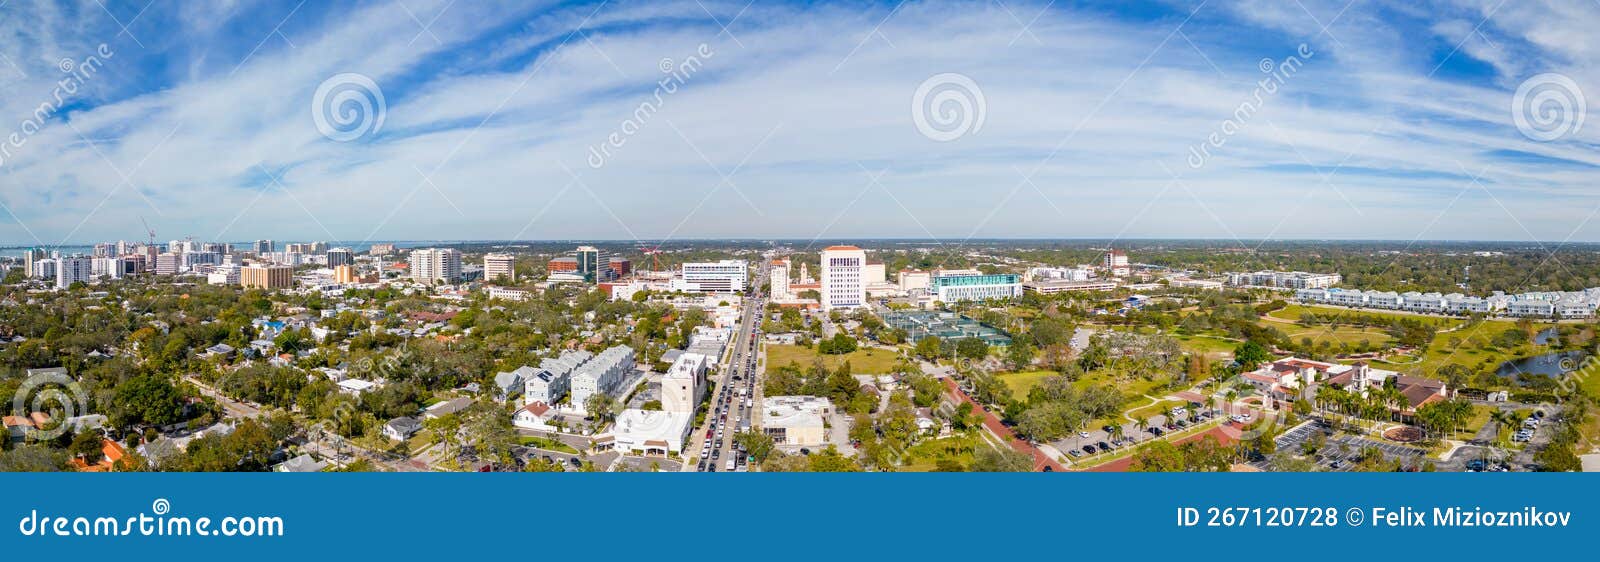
(340, 256)
(592, 264)
(263, 247)
(30, 257)
(266, 276)
(435, 265)
(381, 249)
(74, 269)
(499, 266)
(43, 269)
(780, 279)
(842, 285)
(167, 263)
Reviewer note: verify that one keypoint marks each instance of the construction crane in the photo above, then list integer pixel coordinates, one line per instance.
(147, 228)
(655, 256)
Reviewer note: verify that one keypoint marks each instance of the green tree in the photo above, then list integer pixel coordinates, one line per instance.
(1250, 355)
(1003, 459)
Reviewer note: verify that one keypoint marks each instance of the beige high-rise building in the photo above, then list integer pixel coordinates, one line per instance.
(499, 266)
(266, 276)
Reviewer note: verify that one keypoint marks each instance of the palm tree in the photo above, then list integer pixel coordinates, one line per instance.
(1141, 422)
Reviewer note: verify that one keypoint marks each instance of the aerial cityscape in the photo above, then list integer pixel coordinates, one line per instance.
(708, 237)
(781, 356)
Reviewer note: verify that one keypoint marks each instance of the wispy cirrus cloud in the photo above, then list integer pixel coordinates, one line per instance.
(491, 108)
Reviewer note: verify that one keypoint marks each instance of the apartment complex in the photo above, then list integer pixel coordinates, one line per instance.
(604, 374)
(435, 265)
(1284, 279)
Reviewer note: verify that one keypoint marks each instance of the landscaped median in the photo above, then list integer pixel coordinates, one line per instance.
(1102, 460)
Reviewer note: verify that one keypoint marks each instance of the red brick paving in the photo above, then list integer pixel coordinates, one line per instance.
(1040, 460)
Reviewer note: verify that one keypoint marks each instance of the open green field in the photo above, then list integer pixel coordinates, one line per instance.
(1335, 335)
(1023, 382)
(1292, 313)
(867, 360)
(1213, 347)
(1472, 347)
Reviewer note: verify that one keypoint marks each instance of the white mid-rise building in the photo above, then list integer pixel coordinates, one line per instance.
(726, 276)
(842, 285)
(684, 383)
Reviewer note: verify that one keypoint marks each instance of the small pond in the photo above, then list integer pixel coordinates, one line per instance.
(1552, 365)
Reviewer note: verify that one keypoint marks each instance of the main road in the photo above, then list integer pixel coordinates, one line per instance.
(729, 414)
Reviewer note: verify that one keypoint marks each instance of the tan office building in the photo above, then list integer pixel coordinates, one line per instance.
(267, 276)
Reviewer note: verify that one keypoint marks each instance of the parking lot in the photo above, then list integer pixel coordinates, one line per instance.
(1334, 458)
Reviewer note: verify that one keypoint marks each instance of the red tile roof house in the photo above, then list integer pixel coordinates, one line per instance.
(1285, 380)
(110, 453)
(1416, 390)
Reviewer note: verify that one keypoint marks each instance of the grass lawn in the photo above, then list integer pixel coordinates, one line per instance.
(1480, 417)
(1021, 383)
(1212, 346)
(1335, 335)
(1471, 347)
(1133, 389)
(867, 360)
(547, 444)
(925, 456)
(1151, 410)
(1292, 313)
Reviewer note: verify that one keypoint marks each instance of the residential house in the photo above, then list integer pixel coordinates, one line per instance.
(401, 429)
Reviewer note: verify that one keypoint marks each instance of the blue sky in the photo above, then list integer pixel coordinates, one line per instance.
(797, 120)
